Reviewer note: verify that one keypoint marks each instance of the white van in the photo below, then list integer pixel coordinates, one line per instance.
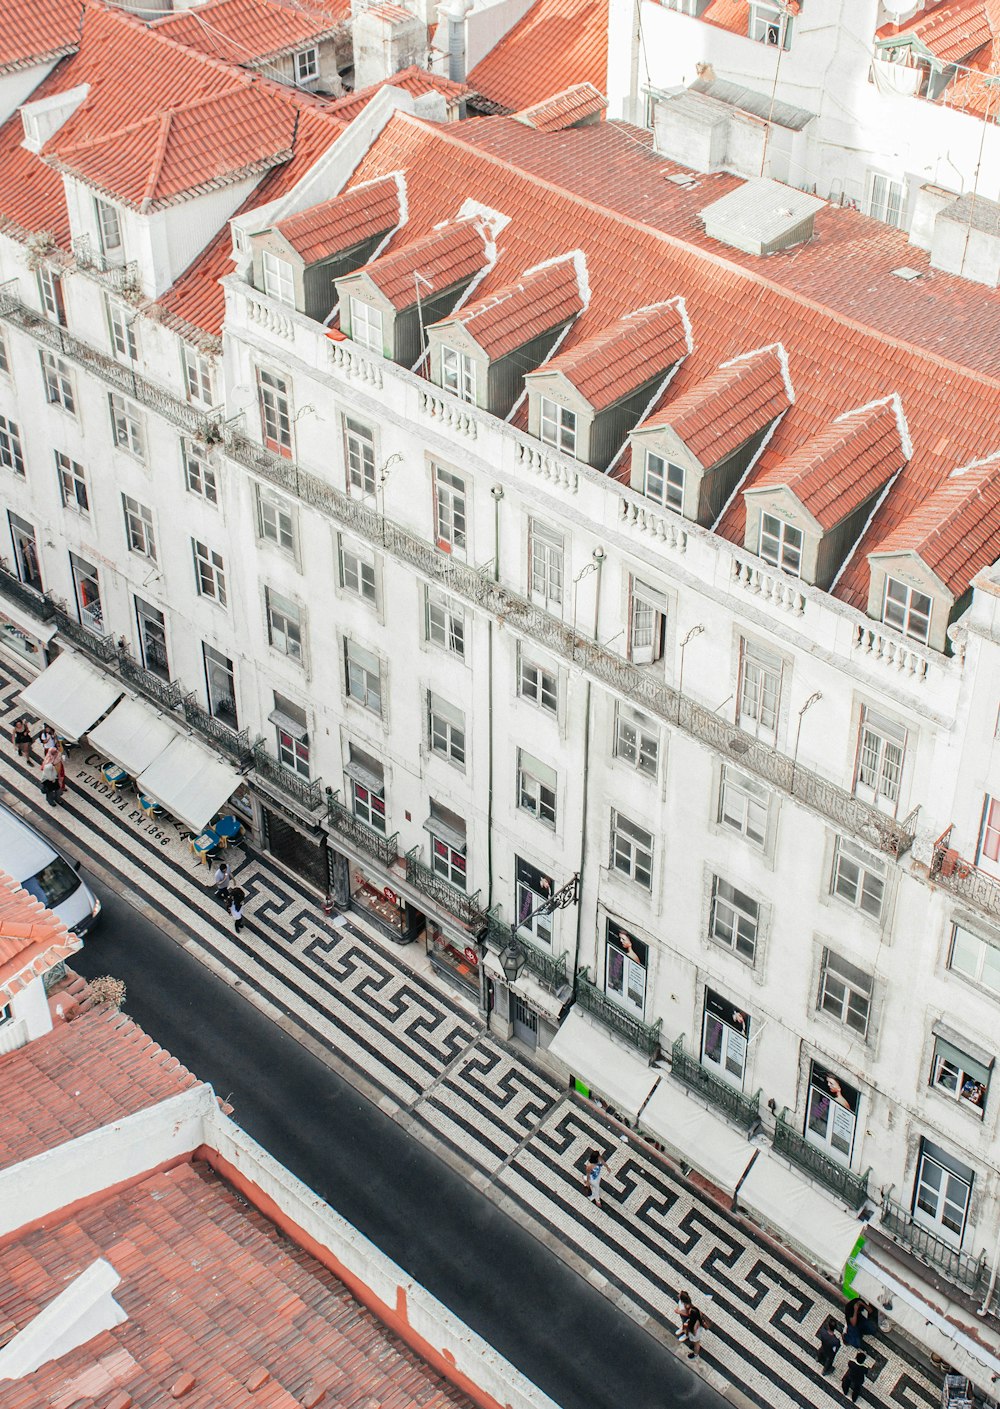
(45, 873)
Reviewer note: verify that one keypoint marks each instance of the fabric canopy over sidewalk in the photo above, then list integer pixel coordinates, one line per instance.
(189, 782)
(133, 735)
(702, 1139)
(594, 1057)
(71, 695)
(800, 1213)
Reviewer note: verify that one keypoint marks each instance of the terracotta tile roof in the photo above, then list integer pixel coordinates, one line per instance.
(617, 359)
(951, 30)
(210, 1290)
(721, 413)
(390, 13)
(32, 939)
(843, 465)
(732, 15)
(444, 258)
(955, 530)
(83, 1074)
(539, 302)
(558, 43)
(31, 33)
(976, 88)
(564, 109)
(413, 80)
(345, 221)
(249, 31)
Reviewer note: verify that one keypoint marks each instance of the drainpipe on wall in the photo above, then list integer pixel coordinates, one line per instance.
(497, 492)
(598, 565)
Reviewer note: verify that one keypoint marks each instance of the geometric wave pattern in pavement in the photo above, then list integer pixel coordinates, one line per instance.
(344, 988)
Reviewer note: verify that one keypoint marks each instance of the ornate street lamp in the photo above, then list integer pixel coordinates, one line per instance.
(513, 955)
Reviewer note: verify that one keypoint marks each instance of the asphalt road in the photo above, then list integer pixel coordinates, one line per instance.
(562, 1333)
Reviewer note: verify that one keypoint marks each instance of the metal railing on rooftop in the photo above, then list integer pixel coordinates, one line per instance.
(743, 1110)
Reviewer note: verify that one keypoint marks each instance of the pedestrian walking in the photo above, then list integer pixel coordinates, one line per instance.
(237, 899)
(683, 1309)
(594, 1172)
(222, 880)
(829, 1343)
(46, 737)
(60, 762)
(696, 1325)
(50, 780)
(23, 740)
(854, 1376)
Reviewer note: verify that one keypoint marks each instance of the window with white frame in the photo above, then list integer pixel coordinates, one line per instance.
(845, 992)
(743, 804)
(537, 683)
(25, 544)
(448, 845)
(210, 572)
(11, 450)
(198, 376)
(760, 690)
(632, 850)
(139, 528)
(276, 520)
(942, 1190)
(906, 609)
(637, 740)
(444, 621)
(109, 229)
(663, 481)
(363, 676)
(279, 278)
(734, 920)
(284, 624)
(831, 1112)
(366, 778)
(275, 411)
(780, 544)
(724, 1038)
(881, 748)
(536, 788)
(291, 735)
(858, 877)
(446, 730)
(366, 325)
(50, 288)
(974, 957)
(626, 962)
(546, 550)
(533, 891)
(58, 382)
(151, 625)
(127, 427)
(307, 65)
(647, 623)
(220, 686)
(885, 198)
(357, 569)
(770, 25)
(199, 471)
(87, 591)
(458, 374)
(121, 326)
(72, 484)
(450, 524)
(557, 426)
(359, 452)
(955, 1073)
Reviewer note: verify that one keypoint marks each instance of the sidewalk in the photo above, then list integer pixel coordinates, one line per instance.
(374, 1012)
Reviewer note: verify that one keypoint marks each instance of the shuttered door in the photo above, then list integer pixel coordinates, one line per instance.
(306, 856)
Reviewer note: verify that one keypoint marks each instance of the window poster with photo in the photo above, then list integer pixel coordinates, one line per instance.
(726, 1031)
(832, 1112)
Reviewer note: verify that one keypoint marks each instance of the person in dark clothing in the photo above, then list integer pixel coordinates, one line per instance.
(860, 1320)
(23, 740)
(829, 1343)
(854, 1376)
(237, 899)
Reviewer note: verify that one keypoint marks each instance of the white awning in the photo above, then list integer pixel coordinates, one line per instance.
(189, 782)
(623, 1077)
(133, 735)
(800, 1213)
(24, 621)
(701, 1138)
(71, 695)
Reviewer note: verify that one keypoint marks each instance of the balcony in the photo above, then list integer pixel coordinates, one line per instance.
(551, 970)
(235, 744)
(970, 1273)
(344, 822)
(102, 649)
(305, 793)
(964, 879)
(644, 1037)
(851, 1187)
(27, 597)
(742, 1110)
(168, 694)
(464, 908)
(122, 277)
(635, 683)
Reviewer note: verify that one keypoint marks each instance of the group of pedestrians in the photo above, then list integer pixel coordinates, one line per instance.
(53, 777)
(860, 1320)
(231, 897)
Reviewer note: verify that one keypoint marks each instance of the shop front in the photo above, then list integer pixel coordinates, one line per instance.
(455, 958)
(304, 852)
(24, 636)
(384, 906)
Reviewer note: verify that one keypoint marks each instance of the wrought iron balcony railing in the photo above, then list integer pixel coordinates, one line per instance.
(635, 682)
(550, 969)
(343, 820)
(308, 793)
(963, 1268)
(234, 743)
(743, 1110)
(17, 591)
(120, 275)
(851, 1187)
(464, 908)
(964, 878)
(168, 694)
(644, 1037)
(100, 648)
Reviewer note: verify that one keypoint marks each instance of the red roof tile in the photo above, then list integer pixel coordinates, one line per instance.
(731, 15)
(843, 465)
(564, 109)
(976, 89)
(735, 402)
(413, 80)
(32, 939)
(955, 530)
(558, 43)
(345, 221)
(31, 33)
(248, 31)
(539, 302)
(444, 258)
(951, 30)
(618, 359)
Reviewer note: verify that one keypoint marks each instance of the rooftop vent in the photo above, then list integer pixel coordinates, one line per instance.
(905, 272)
(683, 178)
(762, 216)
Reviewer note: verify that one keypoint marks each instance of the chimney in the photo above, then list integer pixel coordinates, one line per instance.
(927, 202)
(386, 38)
(967, 240)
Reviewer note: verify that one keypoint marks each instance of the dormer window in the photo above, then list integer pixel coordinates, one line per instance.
(279, 282)
(780, 544)
(557, 426)
(306, 66)
(664, 482)
(198, 376)
(908, 610)
(458, 374)
(51, 290)
(110, 231)
(366, 325)
(770, 25)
